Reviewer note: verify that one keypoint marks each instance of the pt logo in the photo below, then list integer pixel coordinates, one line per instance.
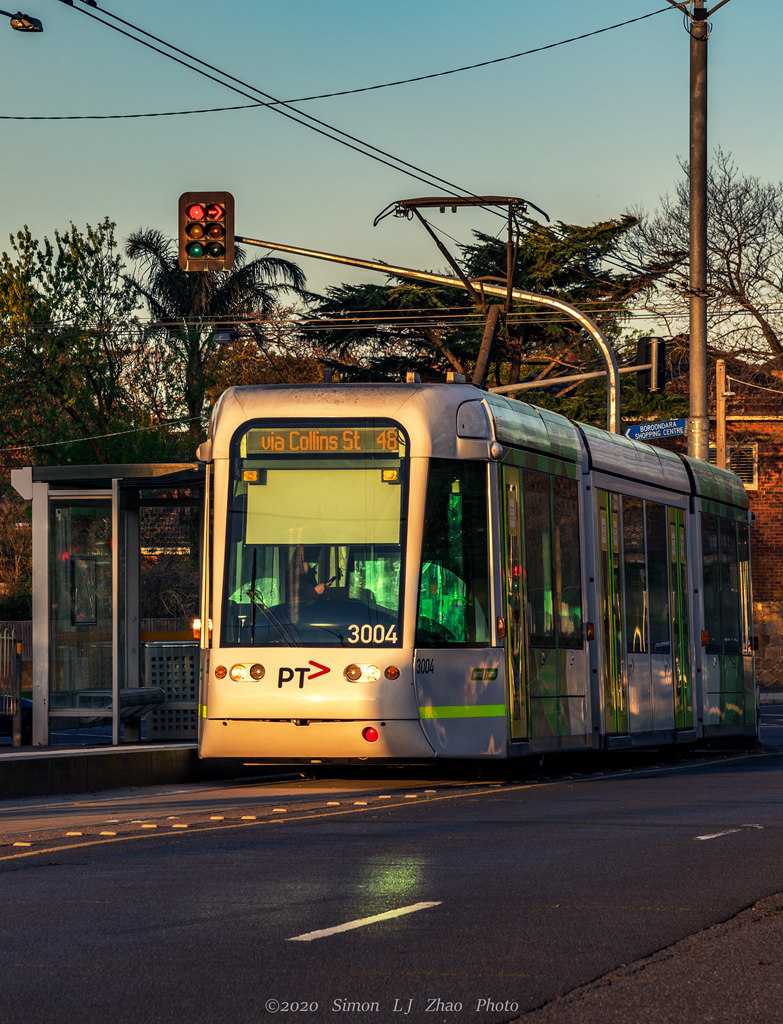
(285, 675)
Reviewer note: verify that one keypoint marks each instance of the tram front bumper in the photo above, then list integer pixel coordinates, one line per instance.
(275, 741)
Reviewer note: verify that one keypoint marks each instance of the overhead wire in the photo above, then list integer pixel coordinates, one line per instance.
(530, 315)
(341, 92)
(95, 437)
(329, 131)
(278, 106)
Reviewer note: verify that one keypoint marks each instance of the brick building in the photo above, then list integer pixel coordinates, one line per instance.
(754, 428)
(754, 444)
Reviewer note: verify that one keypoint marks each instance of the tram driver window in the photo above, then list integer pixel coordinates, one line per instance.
(454, 590)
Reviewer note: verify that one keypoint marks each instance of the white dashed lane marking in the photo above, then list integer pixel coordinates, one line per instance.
(363, 922)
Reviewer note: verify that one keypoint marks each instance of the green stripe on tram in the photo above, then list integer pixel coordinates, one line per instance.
(464, 711)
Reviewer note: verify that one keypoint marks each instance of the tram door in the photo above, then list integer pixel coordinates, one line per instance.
(678, 583)
(615, 700)
(637, 632)
(672, 704)
(514, 578)
(644, 604)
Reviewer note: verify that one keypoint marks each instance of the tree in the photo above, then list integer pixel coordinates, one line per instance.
(188, 307)
(16, 569)
(374, 332)
(71, 358)
(571, 262)
(744, 257)
(377, 331)
(274, 349)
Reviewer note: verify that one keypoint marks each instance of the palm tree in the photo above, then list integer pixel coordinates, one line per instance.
(187, 308)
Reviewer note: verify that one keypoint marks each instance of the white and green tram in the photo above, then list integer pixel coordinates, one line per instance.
(405, 572)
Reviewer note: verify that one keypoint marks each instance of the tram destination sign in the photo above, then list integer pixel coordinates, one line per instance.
(308, 440)
(653, 431)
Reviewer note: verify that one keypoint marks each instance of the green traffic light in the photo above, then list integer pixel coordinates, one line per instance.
(216, 251)
(195, 250)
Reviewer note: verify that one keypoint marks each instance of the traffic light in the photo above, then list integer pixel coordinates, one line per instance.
(653, 380)
(206, 231)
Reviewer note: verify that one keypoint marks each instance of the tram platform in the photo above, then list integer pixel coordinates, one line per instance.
(51, 771)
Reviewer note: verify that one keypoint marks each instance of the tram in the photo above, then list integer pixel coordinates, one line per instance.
(405, 572)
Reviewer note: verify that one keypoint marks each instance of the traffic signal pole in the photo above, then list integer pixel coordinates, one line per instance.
(607, 353)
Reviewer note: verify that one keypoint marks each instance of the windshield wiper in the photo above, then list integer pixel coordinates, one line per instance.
(257, 601)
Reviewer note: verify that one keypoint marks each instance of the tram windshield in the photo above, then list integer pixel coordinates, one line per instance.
(314, 539)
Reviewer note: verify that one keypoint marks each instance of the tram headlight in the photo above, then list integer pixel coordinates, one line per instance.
(238, 673)
(362, 673)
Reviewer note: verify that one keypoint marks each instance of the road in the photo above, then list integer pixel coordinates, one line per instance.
(576, 897)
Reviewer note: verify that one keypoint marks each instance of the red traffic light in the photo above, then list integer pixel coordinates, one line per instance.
(206, 231)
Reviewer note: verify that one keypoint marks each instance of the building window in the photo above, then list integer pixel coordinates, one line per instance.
(742, 459)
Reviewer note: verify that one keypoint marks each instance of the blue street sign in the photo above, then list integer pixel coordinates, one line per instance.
(651, 431)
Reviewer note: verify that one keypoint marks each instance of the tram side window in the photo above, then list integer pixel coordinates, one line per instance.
(726, 589)
(746, 594)
(729, 587)
(567, 562)
(538, 559)
(552, 560)
(658, 571)
(454, 593)
(635, 577)
(710, 553)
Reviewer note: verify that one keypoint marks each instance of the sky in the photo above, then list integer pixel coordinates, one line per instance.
(585, 130)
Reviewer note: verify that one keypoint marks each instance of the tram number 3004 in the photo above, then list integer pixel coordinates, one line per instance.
(367, 634)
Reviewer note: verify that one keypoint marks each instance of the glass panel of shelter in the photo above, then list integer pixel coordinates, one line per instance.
(80, 565)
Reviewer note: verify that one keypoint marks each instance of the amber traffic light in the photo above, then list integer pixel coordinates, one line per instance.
(206, 231)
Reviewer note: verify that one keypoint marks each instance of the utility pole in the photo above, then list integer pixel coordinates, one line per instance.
(699, 31)
(698, 422)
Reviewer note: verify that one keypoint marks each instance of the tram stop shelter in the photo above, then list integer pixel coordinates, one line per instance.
(115, 588)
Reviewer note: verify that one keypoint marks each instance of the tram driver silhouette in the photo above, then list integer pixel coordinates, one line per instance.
(302, 577)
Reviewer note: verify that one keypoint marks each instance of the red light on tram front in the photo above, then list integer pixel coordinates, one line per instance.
(370, 734)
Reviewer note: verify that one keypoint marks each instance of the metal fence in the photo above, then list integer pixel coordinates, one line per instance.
(174, 668)
(11, 683)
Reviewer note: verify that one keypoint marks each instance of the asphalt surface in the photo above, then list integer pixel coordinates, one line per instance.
(728, 973)
(618, 896)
